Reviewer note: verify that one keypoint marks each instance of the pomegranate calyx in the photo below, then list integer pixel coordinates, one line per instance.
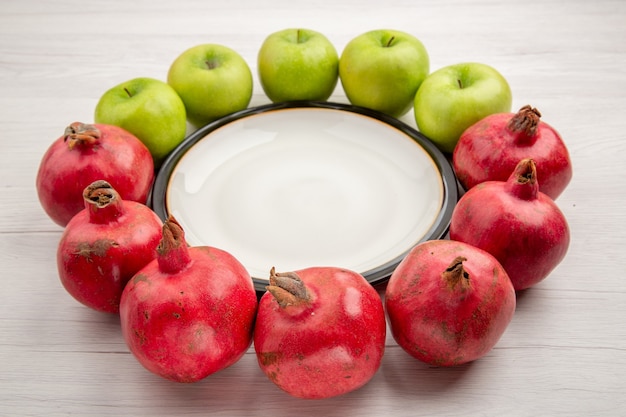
(173, 235)
(524, 125)
(523, 180)
(103, 202)
(287, 288)
(173, 252)
(100, 193)
(82, 134)
(456, 276)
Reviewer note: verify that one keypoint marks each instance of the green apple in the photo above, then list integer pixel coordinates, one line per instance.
(148, 108)
(382, 70)
(297, 64)
(213, 81)
(455, 97)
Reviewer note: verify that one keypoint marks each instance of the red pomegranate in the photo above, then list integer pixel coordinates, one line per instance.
(320, 332)
(104, 245)
(448, 303)
(519, 225)
(87, 153)
(490, 149)
(190, 312)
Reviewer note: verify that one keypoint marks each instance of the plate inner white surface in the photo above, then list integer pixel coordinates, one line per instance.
(297, 188)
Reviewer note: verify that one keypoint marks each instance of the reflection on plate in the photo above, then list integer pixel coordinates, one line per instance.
(296, 185)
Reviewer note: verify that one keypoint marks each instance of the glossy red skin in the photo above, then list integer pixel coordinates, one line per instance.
(119, 158)
(330, 347)
(528, 237)
(489, 151)
(190, 324)
(442, 326)
(95, 261)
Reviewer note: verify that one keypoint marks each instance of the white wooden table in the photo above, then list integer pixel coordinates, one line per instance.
(564, 353)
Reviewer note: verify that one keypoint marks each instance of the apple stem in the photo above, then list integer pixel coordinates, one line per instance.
(128, 92)
(211, 64)
(460, 83)
(390, 41)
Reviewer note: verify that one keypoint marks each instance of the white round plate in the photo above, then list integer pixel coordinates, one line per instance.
(312, 184)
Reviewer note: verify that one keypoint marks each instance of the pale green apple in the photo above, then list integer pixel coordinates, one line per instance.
(455, 97)
(382, 70)
(297, 64)
(212, 80)
(148, 108)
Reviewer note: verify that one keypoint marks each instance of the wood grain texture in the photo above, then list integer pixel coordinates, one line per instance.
(563, 354)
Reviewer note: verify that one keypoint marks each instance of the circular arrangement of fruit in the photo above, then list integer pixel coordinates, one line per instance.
(189, 311)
